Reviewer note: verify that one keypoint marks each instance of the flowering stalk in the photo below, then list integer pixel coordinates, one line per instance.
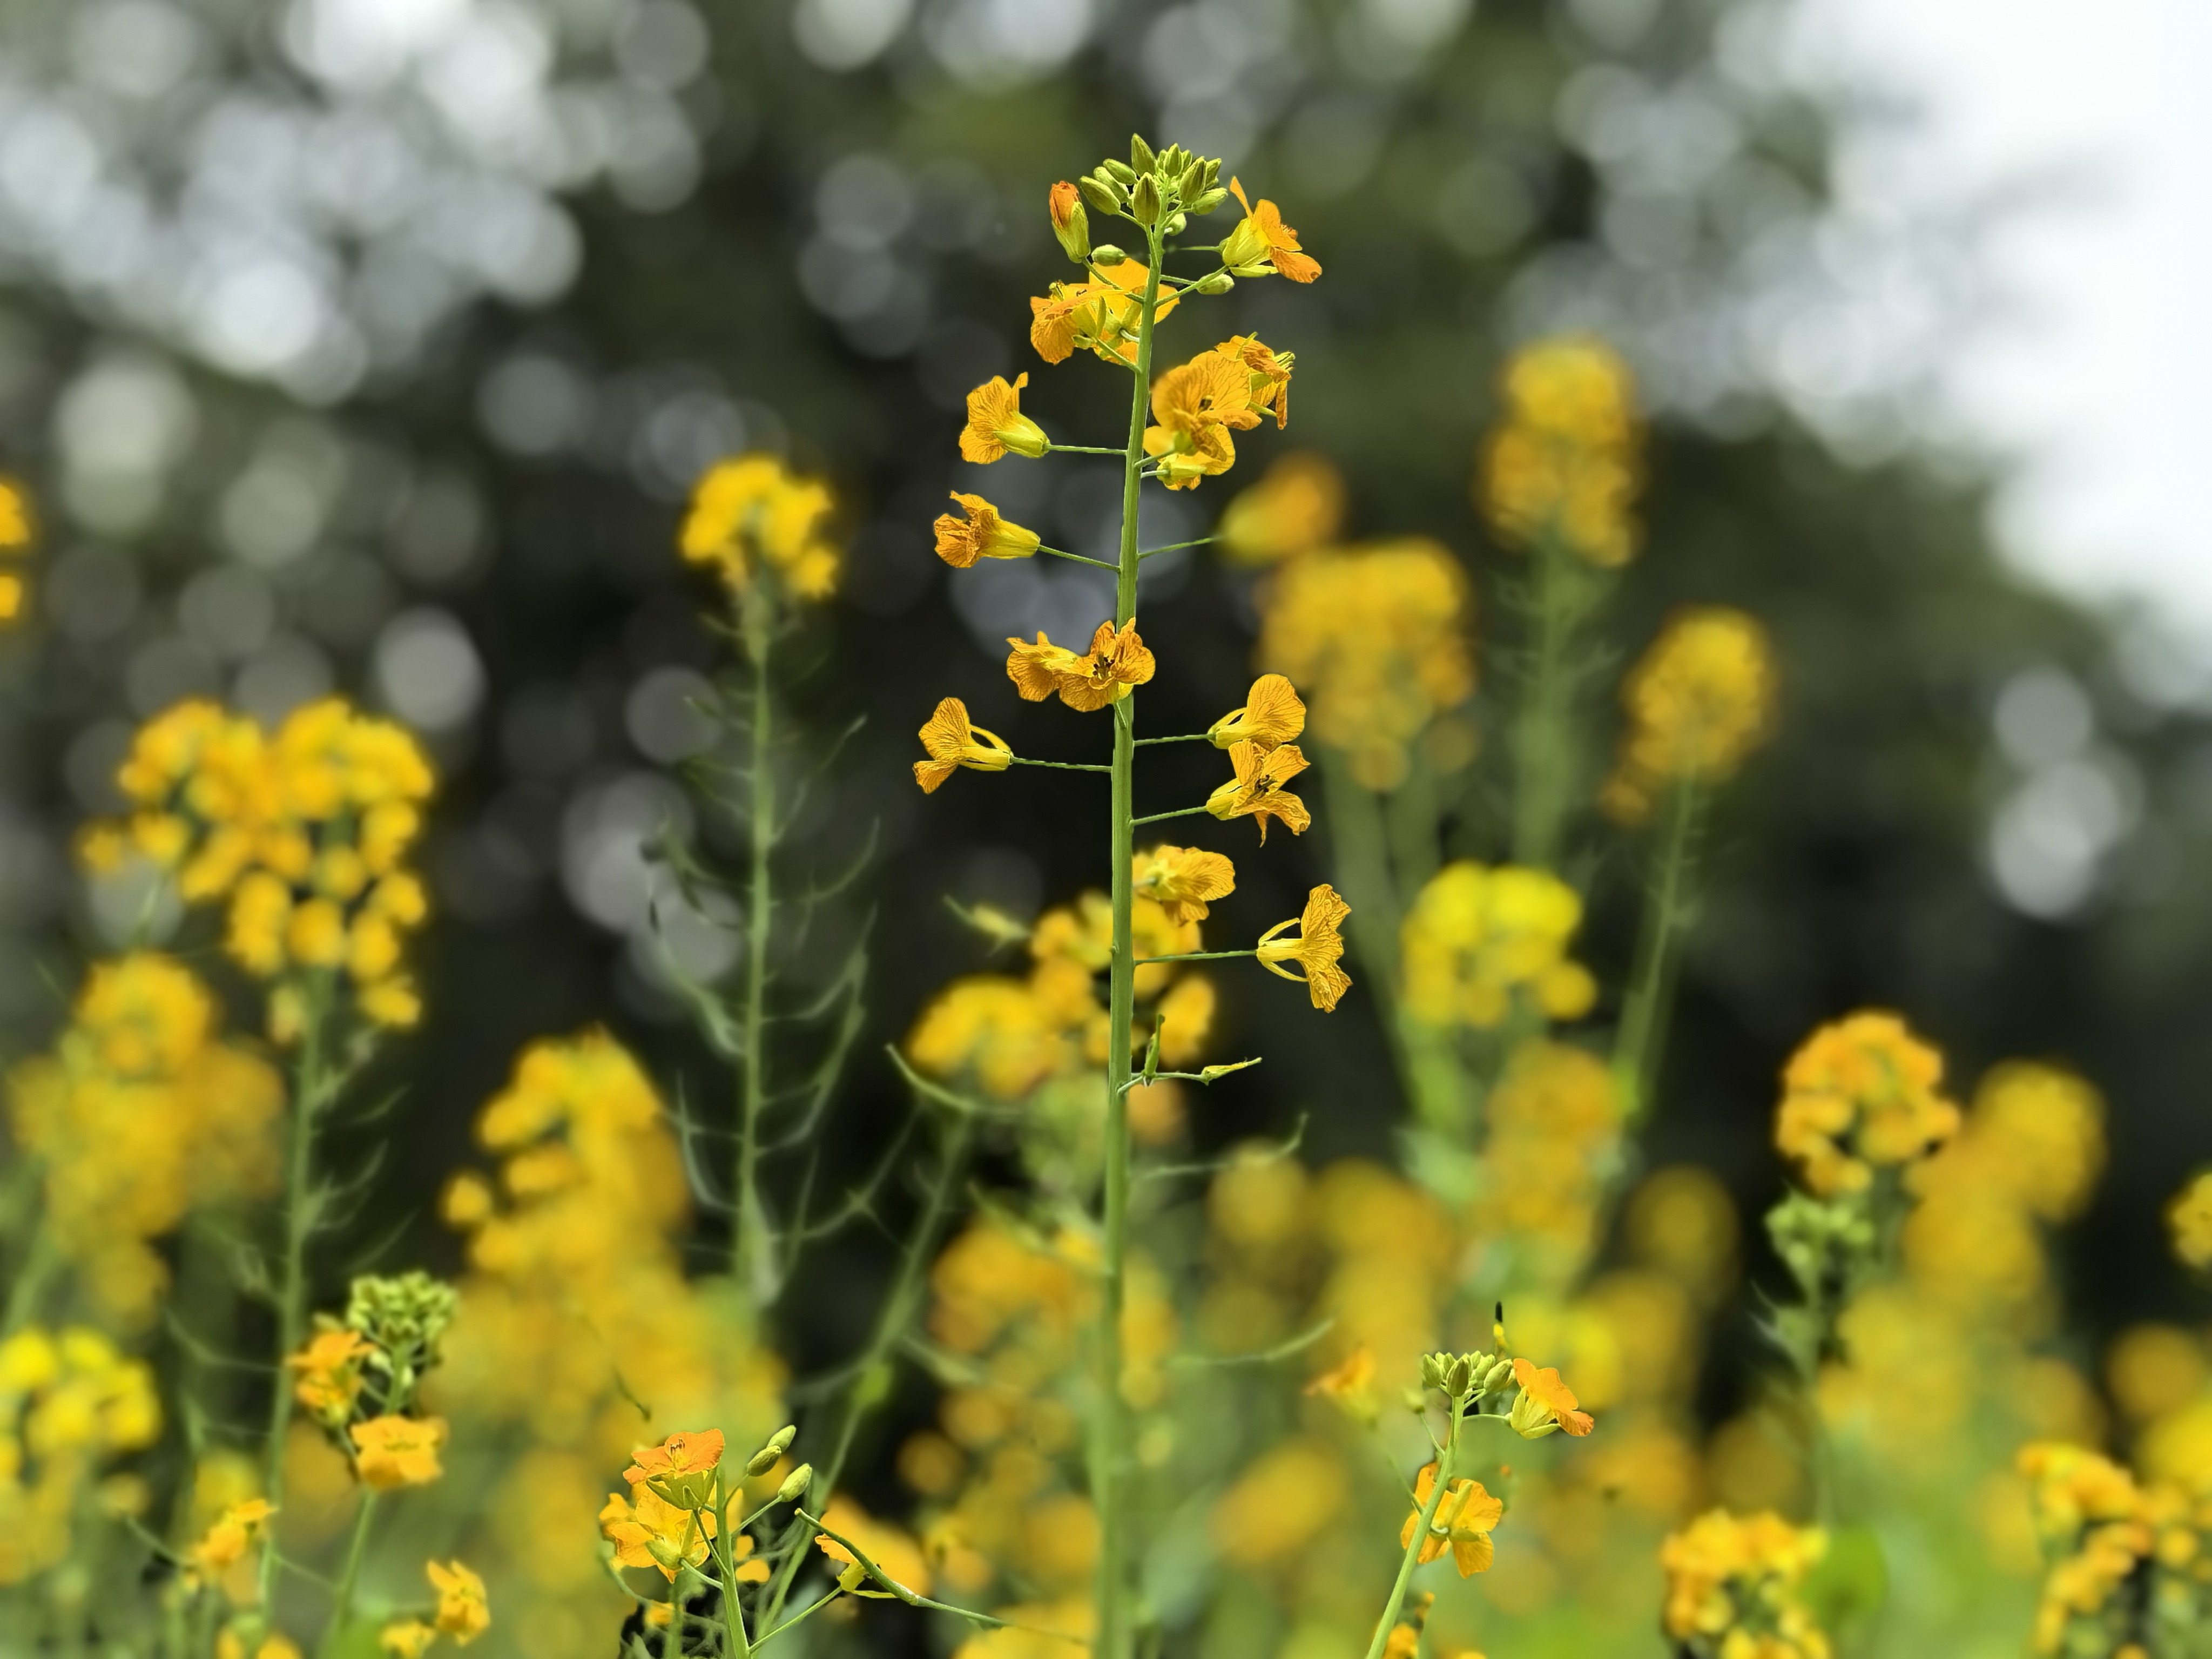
(1548, 764)
(342, 1601)
(1108, 1473)
(1413, 1556)
(1666, 912)
(313, 1088)
(748, 1235)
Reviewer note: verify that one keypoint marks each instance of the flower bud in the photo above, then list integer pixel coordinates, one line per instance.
(1192, 184)
(1097, 195)
(1435, 1369)
(795, 1483)
(1175, 225)
(1120, 172)
(1109, 255)
(1458, 1378)
(1210, 1074)
(780, 1443)
(1171, 163)
(1496, 1378)
(1145, 202)
(1141, 157)
(1215, 281)
(1206, 200)
(1070, 224)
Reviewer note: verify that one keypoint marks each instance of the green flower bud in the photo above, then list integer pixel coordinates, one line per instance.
(1192, 182)
(1218, 282)
(1145, 202)
(795, 1483)
(1175, 225)
(1071, 226)
(780, 1443)
(1435, 1369)
(1097, 195)
(1206, 201)
(1458, 1378)
(1120, 172)
(1141, 156)
(1107, 255)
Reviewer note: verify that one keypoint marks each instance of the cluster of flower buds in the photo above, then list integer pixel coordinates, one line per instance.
(1152, 188)
(406, 1319)
(1542, 1404)
(1465, 1377)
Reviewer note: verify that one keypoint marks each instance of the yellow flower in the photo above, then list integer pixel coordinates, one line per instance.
(393, 1452)
(681, 1469)
(330, 1372)
(648, 1531)
(1117, 662)
(463, 1612)
(981, 535)
(1725, 1572)
(1701, 699)
(1272, 716)
(1350, 1385)
(1463, 1523)
(1316, 949)
(1478, 937)
(992, 1027)
(1545, 1404)
(2189, 1220)
(1257, 791)
(1270, 388)
(1183, 880)
(1562, 466)
(406, 1638)
(1261, 241)
(228, 1644)
(951, 744)
(996, 424)
(1099, 316)
(225, 1542)
(1195, 405)
(1297, 506)
(1861, 1093)
(1186, 1018)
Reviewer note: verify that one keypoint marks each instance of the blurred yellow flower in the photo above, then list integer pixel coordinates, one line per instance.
(1297, 506)
(1317, 948)
(751, 515)
(1733, 1582)
(1562, 466)
(1545, 1404)
(2189, 1221)
(1350, 1384)
(393, 1452)
(1861, 1094)
(329, 1369)
(1701, 699)
(1480, 938)
(406, 1638)
(225, 1543)
(463, 1612)
(891, 1548)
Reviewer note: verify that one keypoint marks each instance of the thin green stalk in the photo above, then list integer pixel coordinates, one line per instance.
(1545, 763)
(1186, 736)
(40, 1263)
(1111, 1429)
(1082, 449)
(1063, 766)
(1412, 1555)
(733, 1616)
(748, 1257)
(1172, 546)
(1080, 558)
(308, 1085)
(1639, 1042)
(342, 1603)
(1179, 812)
(1195, 956)
(893, 1318)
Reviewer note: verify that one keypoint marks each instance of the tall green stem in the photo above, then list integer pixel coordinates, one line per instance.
(894, 1318)
(748, 1243)
(1636, 1046)
(1413, 1556)
(342, 1601)
(308, 1085)
(1545, 756)
(1110, 1430)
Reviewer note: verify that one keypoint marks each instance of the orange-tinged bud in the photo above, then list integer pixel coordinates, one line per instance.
(1070, 223)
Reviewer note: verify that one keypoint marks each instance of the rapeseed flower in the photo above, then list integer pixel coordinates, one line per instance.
(996, 425)
(681, 1469)
(1272, 716)
(950, 741)
(16, 535)
(1195, 406)
(1183, 880)
(1262, 244)
(751, 516)
(1100, 316)
(1270, 389)
(463, 1612)
(1316, 949)
(1117, 663)
(1478, 937)
(1463, 1523)
(1256, 791)
(2188, 1222)
(1545, 1404)
(406, 1638)
(648, 1531)
(1860, 1095)
(393, 1451)
(891, 1548)
(981, 535)
(329, 1368)
(1733, 1584)
(1562, 467)
(1297, 506)
(1701, 699)
(225, 1543)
